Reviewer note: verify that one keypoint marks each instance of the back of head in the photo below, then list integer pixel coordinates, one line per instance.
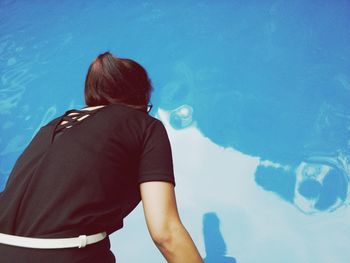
(116, 80)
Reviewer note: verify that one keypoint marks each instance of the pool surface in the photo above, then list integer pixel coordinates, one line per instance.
(254, 95)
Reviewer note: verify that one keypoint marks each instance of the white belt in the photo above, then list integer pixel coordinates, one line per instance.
(30, 242)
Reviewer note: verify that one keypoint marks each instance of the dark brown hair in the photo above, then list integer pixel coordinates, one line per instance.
(116, 80)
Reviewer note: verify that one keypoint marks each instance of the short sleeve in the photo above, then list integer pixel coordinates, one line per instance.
(156, 162)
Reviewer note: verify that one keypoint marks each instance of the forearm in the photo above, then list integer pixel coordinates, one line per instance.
(178, 247)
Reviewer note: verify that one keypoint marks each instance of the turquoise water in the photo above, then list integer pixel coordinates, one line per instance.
(255, 96)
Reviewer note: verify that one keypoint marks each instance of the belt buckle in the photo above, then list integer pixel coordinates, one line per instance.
(82, 241)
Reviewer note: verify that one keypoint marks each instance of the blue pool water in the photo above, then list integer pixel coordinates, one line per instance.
(255, 97)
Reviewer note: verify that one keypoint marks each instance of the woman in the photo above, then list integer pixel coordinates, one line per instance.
(86, 170)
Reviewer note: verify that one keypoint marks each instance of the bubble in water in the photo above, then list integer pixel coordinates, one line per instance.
(321, 184)
(181, 117)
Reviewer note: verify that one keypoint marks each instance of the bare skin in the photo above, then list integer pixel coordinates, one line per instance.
(83, 117)
(164, 224)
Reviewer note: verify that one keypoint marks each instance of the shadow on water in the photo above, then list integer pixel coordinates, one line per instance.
(215, 246)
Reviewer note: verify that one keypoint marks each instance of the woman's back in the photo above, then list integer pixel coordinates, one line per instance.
(85, 180)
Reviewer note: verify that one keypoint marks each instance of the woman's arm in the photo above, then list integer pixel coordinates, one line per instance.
(164, 224)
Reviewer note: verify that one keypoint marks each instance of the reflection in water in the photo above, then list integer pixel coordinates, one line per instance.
(181, 117)
(322, 184)
(215, 246)
(277, 179)
(318, 184)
